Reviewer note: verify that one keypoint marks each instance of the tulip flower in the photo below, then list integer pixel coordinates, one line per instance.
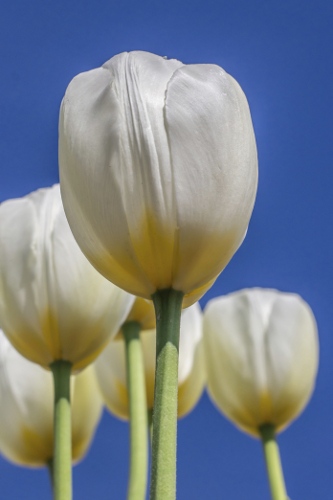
(158, 170)
(26, 417)
(54, 307)
(261, 351)
(158, 173)
(110, 367)
(53, 303)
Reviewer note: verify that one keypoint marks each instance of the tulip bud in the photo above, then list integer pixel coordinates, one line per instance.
(26, 417)
(158, 171)
(261, 350)
(111, 369)
(53, 303)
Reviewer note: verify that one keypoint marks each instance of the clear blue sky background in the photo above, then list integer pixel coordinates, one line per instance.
(281, 54)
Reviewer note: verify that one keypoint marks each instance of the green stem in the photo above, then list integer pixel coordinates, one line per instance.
(150, 424)
(136, 388)
(273, 462)
(168, 305)
(49, 465)
(62, 457)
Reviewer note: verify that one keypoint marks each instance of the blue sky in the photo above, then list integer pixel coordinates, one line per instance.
(281, 54)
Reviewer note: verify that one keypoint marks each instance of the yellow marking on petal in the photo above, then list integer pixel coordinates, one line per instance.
(121, 405)
(38, 449)
(150, 387)
(154, 255)
(265, 408)
(154, 246)
(143, 312)
(202, 258)
(32, 346)
(50, 331)
(79, 447)
(143, 261)
(88, 358)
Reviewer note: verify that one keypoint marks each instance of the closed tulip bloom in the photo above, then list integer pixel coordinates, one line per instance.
(53, 303)
(261, 351)
(111, 370)
(158, 170)
(26, 417)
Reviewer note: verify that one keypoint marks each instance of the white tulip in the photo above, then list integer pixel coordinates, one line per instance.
(261, 351)
(53, 303)
(111, 367)
(26, 417)
(158, 171)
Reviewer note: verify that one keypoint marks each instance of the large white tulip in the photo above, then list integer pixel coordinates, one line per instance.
(53, 303)
(26, 416)
(261, 351)
(111, 368)
(158, 171)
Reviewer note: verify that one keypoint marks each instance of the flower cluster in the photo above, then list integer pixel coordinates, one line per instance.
(158, 178)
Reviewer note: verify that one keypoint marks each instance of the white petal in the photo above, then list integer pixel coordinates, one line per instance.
(191, 369)
(261, 356)
(214, 164)
(112, 141)
(86, 411)
(111, 367)
(53, 303)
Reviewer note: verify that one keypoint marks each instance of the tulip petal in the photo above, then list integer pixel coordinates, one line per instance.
(117, 111)
(214, 163)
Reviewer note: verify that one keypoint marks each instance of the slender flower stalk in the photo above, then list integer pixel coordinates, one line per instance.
(150, 425)
(273, 463)
(62, 459)
(138, 411)
(50, 471)
(168, 304)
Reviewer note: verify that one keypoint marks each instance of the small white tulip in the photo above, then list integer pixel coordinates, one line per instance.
(261, 350)
(158, 171)
(26, 417)
(53, 303)
(111, 367)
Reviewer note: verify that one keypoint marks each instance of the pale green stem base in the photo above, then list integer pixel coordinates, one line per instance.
(168, 305)
(136, 388)
(273, 463)
(62, 458)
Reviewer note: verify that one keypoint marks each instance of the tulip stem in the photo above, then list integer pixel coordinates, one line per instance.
(49, 465)
(136, 388)
(168, 305)
(150, 424)
(273, 462)
(62, 457)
